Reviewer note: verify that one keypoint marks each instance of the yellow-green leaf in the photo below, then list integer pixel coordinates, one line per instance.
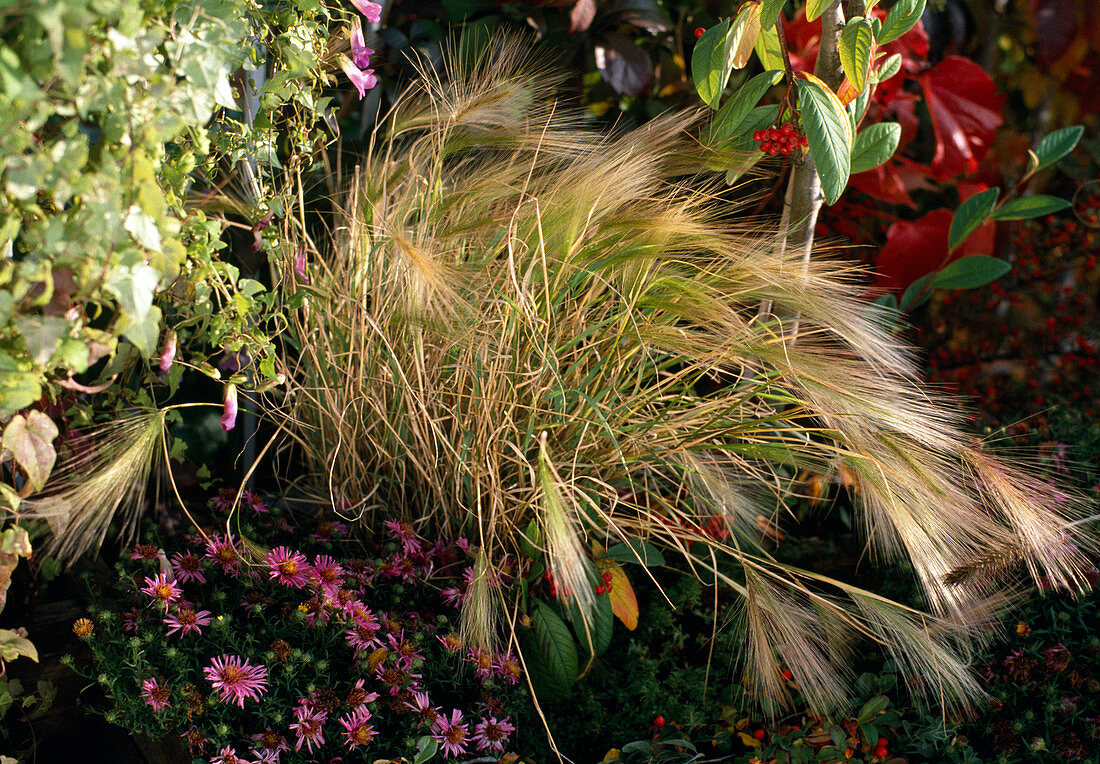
(814, 8)
(767, 48)
(855, 51)
(743, 34)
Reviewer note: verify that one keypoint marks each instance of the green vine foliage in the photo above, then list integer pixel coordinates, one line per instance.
(119, 122)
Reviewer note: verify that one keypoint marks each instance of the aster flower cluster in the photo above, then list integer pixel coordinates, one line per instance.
(270, 645)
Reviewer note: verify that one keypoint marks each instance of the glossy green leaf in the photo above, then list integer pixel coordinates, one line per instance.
(903, 16)
(917, 293)
(890, 66)
(594, 630)
(1030, 207)
(874, 145)
(971, 214)
(1055, 146)
(731, 120)
(636, 551)
(550, 652)
(829, 132)
(710, 65)
(769, 12)
(856, 41)
(970, 272)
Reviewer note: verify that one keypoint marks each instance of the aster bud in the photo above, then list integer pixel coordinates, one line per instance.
(168, 353)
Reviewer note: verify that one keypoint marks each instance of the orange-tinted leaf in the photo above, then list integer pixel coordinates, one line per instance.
(749, 740)
(624, 603)
(847, 92)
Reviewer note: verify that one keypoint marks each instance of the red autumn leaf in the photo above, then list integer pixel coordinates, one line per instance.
(893, 181)
(919, 247)
(966, 112)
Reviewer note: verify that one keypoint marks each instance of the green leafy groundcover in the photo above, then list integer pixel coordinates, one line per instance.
(304, 648)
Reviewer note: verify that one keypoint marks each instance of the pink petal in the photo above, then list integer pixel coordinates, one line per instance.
(229, 412)
(373, 11)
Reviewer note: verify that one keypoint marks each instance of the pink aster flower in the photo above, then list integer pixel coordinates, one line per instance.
(288, 567)
(491, 735)
(508, 668)
(143, 552)
(373, 11)
(223, 550)
(188, 567)
(358, 696)
(155, 694)
(268, 746)
(425, 710)
(130, 619)
(362, 79)
(235, 679)
(356, 729)
(451, 642)
(229, 407)
(453, 596)
(404, 649)
(309, 727)
(228, 755)
(185, 619)
(451, 733)
(161, 590)
(482, 660)
(363, 635)
(327, 574)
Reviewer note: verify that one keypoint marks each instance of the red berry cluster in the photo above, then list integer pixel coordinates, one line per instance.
(780, 140)
(881, 751)
(565, 591)
(605, 587)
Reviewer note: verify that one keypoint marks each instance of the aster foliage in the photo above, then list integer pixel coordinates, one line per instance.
(294, 651)
(557, 340)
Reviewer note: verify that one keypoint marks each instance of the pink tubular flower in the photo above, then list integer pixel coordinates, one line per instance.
(155, 694)
(373, 11)
(235, 679)
(491, 735)
(327, 574)
(185, 619)
(363, 79)
(360, 56)
(168, 353)
(288, 567)
(188, 567)
(356, 729)
(229, 405)
(452, 734)
(161, 590)
(309, 727)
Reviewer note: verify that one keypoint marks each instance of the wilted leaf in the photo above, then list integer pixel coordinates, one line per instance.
(30, 440)
(580, 17)
(624, 603)
(13, 645)
(624, 65)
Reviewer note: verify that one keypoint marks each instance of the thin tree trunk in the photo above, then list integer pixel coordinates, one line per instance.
(804, 197)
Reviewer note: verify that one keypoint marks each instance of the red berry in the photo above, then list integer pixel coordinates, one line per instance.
(549, 576)
(607, 576)
(658, 721)
(881, 752)
(600, 589)
(881, 743)
(773, 149)
(758, 136)
(788, 129)
(759, 734)
(699, 32)
(805, 141)
(788, 675)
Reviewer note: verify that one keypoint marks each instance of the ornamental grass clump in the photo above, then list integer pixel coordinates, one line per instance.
(535, 333)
